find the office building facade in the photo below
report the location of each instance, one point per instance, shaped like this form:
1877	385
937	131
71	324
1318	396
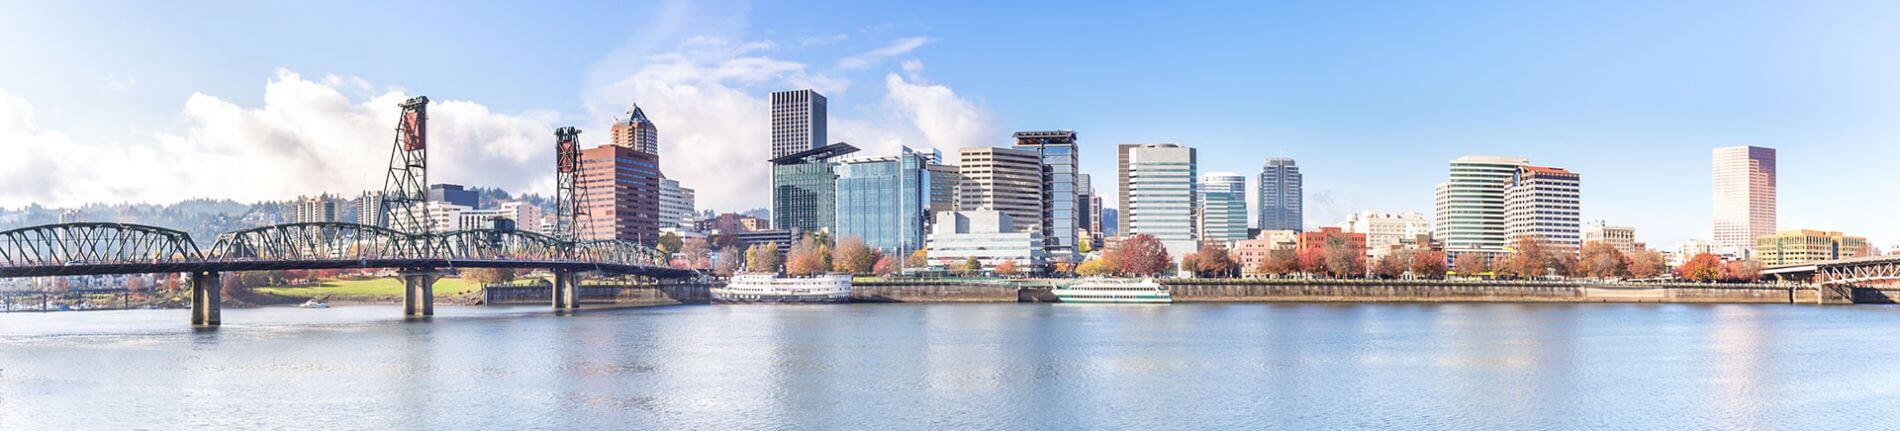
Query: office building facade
622	194
1223	207
1002	179
676	205
1061	188
1163	184
1745	206
636	131
1470	204
1386	231
1545	203
805	189
1282	195
883	200
1799	246
798	122
314	209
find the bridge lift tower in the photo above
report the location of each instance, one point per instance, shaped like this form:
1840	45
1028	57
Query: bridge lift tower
406	188
568	215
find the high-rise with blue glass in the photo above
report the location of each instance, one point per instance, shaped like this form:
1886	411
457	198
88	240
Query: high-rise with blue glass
1061	189
883	200
1281	207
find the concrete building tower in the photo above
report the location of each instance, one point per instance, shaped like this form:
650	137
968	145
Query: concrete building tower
1002	179
1544	203
1470	204
1281	203
636	132
1744	180
1163	193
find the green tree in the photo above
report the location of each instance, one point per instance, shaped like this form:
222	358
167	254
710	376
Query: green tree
971	266
762	258
669	243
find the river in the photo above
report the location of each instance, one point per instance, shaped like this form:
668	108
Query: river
961	366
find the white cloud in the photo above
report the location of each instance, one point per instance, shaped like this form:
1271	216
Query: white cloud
896	48
709	100
307	137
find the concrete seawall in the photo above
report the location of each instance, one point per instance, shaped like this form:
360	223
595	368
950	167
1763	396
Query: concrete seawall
933	292
1451	291
643	294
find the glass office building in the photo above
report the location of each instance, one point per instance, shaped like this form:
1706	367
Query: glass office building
1060	189
883	201
804	189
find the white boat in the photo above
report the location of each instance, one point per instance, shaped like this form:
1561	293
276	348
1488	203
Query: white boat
314	303
1114	291
771	288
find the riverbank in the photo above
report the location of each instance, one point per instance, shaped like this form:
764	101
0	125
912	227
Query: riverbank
1297	290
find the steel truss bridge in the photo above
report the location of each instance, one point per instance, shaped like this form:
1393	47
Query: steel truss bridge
1843	272
413	247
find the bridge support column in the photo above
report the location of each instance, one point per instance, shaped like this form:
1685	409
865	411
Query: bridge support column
418	292
207	298
567	291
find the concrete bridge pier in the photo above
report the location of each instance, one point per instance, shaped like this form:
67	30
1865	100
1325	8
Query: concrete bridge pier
418	292
567	291
207	290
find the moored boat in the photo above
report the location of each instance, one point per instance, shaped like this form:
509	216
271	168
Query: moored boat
1114	291
771	289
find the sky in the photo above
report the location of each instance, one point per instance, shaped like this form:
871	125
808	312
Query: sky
157	102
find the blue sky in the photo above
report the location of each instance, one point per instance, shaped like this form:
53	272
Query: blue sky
145	101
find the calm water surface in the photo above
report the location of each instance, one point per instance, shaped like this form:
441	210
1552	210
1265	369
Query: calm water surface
1001	366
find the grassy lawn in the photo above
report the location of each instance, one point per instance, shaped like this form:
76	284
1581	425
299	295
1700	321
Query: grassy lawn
369	287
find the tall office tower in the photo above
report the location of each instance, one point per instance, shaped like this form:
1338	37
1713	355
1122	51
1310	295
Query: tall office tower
369	208
1111	222
1744	198
1282	202
883	200
1163	192
1085	206
676	205
1060	189
623	194
804	192
798	122
636	132
1544	203
1223	207
315	209
944	183
1002	179
1470	204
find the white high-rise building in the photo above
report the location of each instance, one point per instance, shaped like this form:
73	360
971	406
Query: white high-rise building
1223	207
1002	179
315	209
1470	204
798	121
676	205
1545	203
1386	231
527	216
1163	187
1744	198
369	209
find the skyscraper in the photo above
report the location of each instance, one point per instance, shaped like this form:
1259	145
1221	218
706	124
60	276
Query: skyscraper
315	209
944	183
1163	189
1060	188
622	187
804	192
1744	197
1282	205
1544	203
883	200
1470	204
798	122
1223	207
1002	179
676	205
636	132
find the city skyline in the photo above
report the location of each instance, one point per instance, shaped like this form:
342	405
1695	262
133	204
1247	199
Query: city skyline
494	129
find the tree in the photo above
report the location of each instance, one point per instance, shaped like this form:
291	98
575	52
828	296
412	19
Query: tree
1470	264
1646	264
1528	258
971	266
1084	244
1279	262
918	259
885	266
1094	268
1215	261
1343	261
697	253
668	243
1703	267
1564	264
1602	260
1429	264
808	257
853	256
729	261
1143	254
1312	261
1742	271
762	258
1392	265
1006	268
487	276
1191	263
